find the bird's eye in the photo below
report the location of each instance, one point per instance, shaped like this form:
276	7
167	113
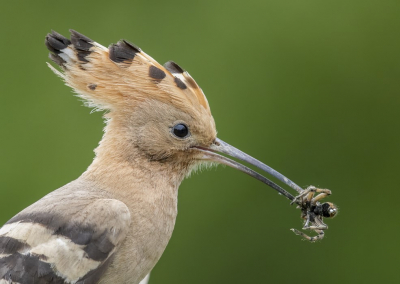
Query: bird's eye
180	130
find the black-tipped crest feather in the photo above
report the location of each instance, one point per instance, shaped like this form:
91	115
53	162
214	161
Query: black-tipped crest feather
180	84
123	51
57	59
133	46
56	42
172	67
80	41
156	73
82	45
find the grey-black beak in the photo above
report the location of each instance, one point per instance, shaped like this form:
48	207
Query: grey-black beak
220	146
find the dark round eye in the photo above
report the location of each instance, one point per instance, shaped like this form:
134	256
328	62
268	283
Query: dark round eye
180	130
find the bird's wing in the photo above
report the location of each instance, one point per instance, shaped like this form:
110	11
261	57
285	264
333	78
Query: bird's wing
75	247
145	280
119	74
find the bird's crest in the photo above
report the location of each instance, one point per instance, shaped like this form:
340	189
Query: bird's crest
118	76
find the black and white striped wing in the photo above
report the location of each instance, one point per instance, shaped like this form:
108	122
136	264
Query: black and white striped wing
77	248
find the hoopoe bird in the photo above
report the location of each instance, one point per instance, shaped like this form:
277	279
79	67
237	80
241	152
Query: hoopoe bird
112	224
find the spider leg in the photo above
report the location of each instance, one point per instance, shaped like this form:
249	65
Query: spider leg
317	224
322	194
308	191
306	224
320	235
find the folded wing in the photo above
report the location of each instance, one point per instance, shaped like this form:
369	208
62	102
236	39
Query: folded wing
41	247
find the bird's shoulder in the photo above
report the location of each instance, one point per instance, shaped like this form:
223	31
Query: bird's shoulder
69	236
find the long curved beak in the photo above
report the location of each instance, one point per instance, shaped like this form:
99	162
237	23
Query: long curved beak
219	146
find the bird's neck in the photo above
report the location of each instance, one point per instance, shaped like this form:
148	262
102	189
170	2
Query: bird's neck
148	188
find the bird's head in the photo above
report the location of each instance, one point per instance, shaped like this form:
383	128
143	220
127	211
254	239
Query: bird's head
157	112
165	133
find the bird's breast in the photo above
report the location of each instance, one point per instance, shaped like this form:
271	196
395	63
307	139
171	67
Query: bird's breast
153	218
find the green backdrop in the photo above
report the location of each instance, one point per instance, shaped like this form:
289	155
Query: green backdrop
309	87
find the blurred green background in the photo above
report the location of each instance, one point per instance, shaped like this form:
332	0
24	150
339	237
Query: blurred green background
309	87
